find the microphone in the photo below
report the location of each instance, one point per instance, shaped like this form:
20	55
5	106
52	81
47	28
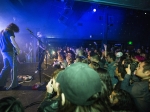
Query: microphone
29	30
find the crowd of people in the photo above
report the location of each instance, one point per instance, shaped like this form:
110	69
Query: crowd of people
87	80
92	81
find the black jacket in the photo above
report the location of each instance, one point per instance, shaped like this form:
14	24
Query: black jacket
139	91
49	104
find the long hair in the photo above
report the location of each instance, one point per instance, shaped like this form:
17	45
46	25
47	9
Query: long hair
105	77
13	27
101	103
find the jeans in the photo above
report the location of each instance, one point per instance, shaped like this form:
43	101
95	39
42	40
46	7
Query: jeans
9	67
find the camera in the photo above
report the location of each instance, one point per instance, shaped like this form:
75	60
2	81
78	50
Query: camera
127	62
132	64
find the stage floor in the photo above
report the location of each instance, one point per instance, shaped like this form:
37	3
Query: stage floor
25	94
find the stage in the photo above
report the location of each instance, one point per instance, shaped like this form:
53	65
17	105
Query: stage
25	93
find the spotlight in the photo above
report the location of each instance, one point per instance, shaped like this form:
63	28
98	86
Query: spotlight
94	10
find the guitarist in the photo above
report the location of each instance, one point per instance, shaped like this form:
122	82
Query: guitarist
9	48
41	50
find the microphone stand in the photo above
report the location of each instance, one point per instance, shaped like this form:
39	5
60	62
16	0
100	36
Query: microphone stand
38	84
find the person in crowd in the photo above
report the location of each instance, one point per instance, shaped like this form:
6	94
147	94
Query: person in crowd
118	56
119	73
69	51
52	100
60	62
138	51
102	56
71	96
80	53
136	59
82	90
11	104
70	59
9	48
111	66
94	61
139	90
104	75
121	100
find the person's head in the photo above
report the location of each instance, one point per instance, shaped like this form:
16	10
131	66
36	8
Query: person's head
144	54
61	57
82	89
120	72
79	52
13	27
95	58
94	62
143	70
10	104
69	58
68	48
79	59
52	85
119	54
111	57
121	100
139	58
138	50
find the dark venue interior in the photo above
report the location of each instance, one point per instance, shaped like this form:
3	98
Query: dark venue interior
73	23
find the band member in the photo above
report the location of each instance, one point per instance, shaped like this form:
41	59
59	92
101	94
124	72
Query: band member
9	48
41	50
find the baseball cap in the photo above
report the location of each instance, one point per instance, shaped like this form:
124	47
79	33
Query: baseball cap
79	82
119	54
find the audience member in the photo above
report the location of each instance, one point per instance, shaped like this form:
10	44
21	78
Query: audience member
82	90
121	101
10	104
111	66
139	90
105	77
52	99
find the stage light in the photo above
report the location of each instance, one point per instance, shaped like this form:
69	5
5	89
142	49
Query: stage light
90	36
94	10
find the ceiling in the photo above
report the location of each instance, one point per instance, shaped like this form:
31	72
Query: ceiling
74	18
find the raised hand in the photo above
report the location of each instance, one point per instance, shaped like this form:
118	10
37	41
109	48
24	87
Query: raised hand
128	70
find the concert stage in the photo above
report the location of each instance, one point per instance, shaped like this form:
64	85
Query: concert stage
25	93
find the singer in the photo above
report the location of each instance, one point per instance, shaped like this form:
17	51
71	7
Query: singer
8	47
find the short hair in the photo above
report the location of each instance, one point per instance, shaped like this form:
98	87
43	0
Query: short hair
112	55
146	67
13	27
10	104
